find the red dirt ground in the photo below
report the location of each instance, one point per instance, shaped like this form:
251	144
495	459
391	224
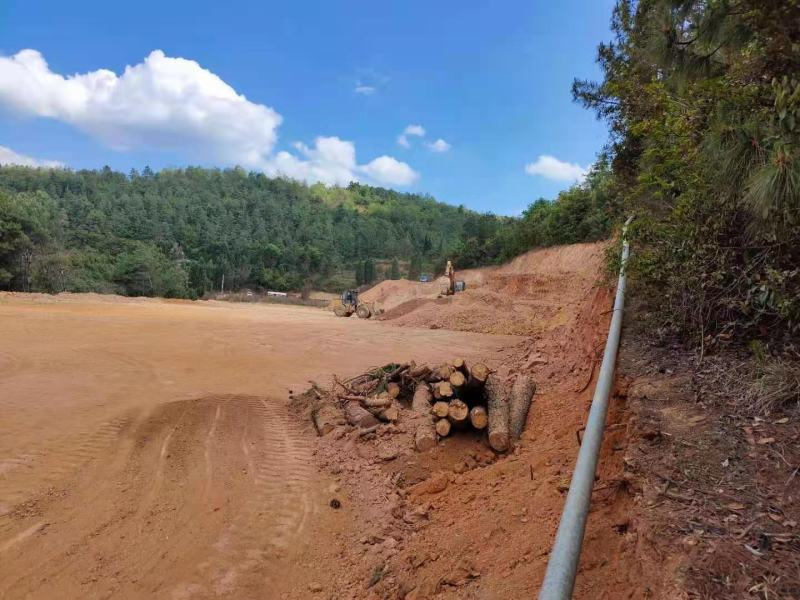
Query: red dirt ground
171	421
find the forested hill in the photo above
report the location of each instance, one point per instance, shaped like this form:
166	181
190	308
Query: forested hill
177	232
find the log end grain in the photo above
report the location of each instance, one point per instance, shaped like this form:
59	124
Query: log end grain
443	427
478	417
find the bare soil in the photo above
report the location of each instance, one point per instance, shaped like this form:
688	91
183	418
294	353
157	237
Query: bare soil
147	450
154	448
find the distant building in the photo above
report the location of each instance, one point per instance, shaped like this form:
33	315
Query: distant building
277	294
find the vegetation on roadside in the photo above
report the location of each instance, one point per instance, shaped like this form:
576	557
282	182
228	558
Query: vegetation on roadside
703	103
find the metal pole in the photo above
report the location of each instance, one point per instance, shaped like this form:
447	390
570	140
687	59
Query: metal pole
562	568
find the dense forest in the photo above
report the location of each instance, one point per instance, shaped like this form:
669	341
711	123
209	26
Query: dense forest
177	233
702	99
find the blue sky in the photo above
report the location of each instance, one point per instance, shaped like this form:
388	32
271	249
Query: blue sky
314	90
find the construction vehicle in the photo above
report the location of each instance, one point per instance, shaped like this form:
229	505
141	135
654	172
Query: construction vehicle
350	304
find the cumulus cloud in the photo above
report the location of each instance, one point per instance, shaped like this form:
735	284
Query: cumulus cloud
439	145
9	157
333	161
365	90
410	131
390	171
162	102
173	103
558	170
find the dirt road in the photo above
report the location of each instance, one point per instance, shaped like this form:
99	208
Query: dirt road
146	449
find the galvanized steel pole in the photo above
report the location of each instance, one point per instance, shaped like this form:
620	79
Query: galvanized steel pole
562	568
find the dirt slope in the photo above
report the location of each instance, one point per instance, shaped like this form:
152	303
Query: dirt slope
536	292
461	522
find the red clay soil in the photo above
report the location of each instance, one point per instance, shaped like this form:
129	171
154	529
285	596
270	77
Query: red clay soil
461	521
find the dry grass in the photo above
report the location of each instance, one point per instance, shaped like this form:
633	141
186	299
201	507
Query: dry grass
777	386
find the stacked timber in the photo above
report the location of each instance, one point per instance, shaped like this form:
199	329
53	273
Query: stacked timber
444	399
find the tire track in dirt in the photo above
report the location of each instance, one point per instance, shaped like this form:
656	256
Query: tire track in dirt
250	550
212	493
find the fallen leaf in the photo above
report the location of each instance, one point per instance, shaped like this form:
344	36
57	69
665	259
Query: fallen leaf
781	421
697	419
764	441
736	506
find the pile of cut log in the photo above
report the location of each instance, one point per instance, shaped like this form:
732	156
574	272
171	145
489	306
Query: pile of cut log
453	396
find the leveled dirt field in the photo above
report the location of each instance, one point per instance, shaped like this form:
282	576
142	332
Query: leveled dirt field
150	448
146	448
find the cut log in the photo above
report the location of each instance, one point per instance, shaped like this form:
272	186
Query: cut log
457	380
389	414
421	401
376	402
458	364
393	389
521	396
440	409
478	374
457	412
443	390
443	427
420	372
359	416
497	401
326	417
442	373
425	436
478	417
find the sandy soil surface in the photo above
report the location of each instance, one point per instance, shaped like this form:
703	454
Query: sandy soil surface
147	448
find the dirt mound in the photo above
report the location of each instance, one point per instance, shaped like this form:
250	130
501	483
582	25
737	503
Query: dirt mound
394	292
536	292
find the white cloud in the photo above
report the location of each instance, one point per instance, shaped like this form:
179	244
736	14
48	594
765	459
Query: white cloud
9	157
174	103
390	171
410	130
439	145
417	130
552	168
333	161
365	90
162	102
